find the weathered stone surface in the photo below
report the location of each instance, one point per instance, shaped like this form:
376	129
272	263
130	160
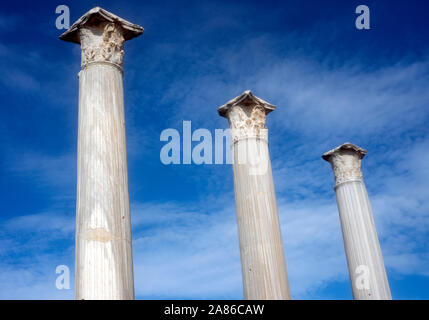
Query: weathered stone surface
345	161
104	266
365	262
261	247
99	15
101	35
246	116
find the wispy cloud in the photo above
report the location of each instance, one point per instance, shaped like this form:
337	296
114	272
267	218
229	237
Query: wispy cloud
31	247
185	251
46	170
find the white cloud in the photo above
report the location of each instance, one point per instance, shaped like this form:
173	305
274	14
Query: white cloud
31	247
185	252
34	280
47	170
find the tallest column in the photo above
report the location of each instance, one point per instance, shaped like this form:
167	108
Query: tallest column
261	248
104	266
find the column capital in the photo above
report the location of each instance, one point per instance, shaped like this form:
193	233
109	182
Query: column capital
101	35
246	115
346	162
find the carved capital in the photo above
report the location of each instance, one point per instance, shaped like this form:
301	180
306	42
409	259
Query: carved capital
346	162
103	42
247	115
101	35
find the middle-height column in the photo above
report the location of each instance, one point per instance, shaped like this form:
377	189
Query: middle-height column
261	247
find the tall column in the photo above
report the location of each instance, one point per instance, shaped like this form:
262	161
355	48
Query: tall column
261	247
104	265
366	267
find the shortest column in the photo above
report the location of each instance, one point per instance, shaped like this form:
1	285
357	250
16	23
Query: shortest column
365	261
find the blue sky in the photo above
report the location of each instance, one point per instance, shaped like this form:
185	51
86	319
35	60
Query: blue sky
331	83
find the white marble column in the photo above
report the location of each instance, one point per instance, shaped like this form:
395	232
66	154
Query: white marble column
104	265
261	247
366	267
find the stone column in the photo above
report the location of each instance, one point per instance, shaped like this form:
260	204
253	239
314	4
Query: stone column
261	247
366	267
104	265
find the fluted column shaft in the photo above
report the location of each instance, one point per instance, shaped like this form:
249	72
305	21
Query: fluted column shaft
104	267
365	262
261	247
